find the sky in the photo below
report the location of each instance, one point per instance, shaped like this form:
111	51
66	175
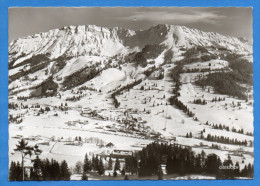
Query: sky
228	21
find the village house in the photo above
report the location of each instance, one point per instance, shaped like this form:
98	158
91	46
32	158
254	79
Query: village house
86	110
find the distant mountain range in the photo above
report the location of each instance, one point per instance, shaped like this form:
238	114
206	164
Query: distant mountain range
75	49
85	40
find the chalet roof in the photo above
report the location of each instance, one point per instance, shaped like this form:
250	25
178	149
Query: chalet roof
110	145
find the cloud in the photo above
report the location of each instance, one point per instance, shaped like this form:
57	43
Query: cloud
193	16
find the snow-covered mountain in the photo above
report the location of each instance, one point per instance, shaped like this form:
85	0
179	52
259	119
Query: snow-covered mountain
77	54
74	41
76	89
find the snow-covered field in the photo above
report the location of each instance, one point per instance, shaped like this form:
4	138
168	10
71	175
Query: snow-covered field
148	102
123	102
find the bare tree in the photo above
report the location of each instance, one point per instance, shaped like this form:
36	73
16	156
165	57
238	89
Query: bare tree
78	167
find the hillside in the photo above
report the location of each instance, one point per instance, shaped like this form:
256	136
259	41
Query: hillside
130	88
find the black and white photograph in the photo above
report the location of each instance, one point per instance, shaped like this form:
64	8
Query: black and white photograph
130	93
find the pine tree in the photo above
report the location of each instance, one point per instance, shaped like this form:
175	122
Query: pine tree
244	171
37	169
182	167
236	171
93	162
54	171
18	172
117	165
101	168
131	164
212	164
84	176
228	173
198	167
32	174
250	170
25	150
110	164
45	169
87	164
12	171
96	163
65	173
123	171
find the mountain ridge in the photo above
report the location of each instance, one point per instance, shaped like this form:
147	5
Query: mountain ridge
84	40
81	53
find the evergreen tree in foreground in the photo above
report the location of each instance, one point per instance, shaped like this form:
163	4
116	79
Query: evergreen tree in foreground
84	176
15	172
110	164
101	168
117	165
26	150
64	169
87	164
37	166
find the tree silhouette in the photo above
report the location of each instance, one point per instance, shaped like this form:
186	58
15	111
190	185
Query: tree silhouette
37	165
87	164
114	173
64	169
15	172
78	167
84	176
110	164
117	165
26	150
123	172
101	168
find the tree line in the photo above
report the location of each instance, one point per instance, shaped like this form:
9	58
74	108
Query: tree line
182	160
175	101
118	91
15	106
225	127
33	68
175	74
148	52
197	70
223	83
96	164
200	101
228	82
179	159
81	76
242	68
226	140
15	119
41	170
190	55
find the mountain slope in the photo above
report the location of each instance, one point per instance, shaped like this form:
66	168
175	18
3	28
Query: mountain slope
76	41
80	53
